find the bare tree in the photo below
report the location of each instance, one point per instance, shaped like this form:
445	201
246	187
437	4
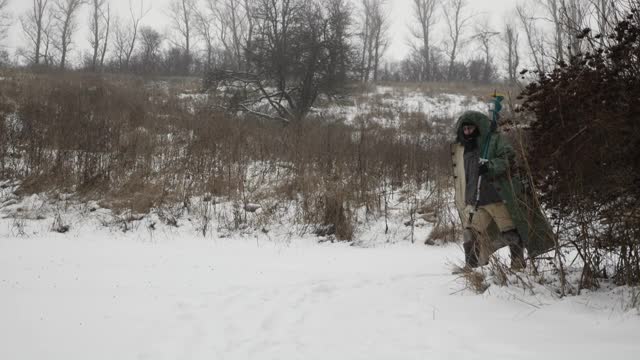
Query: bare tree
250	28
608	13
365	34
274	51
621	8
64	12
204	24
298	52
229	23
182	13
121	41
424	13
5	19
150	42
338	35
380	32
484	35
32	23
106	15
99	22
534	40
605	17
126	34
554	11
457	21
48	40
374	28
574	14
235	29
569	18
5	24
511	39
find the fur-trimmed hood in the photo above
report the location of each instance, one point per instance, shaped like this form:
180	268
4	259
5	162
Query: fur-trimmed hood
480	120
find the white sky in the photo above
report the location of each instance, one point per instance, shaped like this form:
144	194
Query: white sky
400	13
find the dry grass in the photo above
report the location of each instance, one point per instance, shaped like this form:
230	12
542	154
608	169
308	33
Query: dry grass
445	233
474	280
137	148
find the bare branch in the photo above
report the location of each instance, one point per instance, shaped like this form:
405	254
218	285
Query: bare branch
33	26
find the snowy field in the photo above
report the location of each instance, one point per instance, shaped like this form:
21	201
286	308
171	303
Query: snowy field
390	101
97	294
383	105
266	292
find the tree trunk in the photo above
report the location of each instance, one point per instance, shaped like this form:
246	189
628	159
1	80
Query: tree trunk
106	36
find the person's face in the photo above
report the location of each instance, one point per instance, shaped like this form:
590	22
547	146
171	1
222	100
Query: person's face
468	129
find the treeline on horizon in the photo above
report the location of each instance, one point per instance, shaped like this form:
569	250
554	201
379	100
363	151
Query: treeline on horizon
448	42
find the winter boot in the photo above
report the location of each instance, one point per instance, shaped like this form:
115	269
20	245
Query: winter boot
516	247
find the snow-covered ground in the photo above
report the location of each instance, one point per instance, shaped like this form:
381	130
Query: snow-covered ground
386	104
383	105
129	286
94	293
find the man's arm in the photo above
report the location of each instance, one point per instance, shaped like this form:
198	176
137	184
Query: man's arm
503	153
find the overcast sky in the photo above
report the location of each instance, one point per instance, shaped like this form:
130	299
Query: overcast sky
400	11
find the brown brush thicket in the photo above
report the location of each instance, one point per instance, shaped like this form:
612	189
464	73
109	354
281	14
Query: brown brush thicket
138	146
585	152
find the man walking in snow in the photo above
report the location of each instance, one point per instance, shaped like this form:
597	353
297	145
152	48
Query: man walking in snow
487	216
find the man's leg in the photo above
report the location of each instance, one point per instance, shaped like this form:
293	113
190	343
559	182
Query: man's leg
510	235
484	246
516	247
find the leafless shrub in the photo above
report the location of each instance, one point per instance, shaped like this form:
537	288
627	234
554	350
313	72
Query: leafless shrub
504	274
337	216
138	147
124	221
592	194
170	214
445	233
59	225
18	225
202	213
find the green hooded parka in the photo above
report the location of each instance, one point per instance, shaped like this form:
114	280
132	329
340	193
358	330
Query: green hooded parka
532	225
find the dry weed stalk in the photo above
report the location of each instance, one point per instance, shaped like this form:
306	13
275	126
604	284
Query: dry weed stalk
137	147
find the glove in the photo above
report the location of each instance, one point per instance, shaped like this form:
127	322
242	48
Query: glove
483	169
469	209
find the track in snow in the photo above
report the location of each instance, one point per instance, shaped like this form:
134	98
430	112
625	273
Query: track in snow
83	298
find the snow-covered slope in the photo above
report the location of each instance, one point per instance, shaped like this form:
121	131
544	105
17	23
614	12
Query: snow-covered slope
169	294
386	105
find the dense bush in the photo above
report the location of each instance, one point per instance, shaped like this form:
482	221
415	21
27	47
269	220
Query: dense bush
585	153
